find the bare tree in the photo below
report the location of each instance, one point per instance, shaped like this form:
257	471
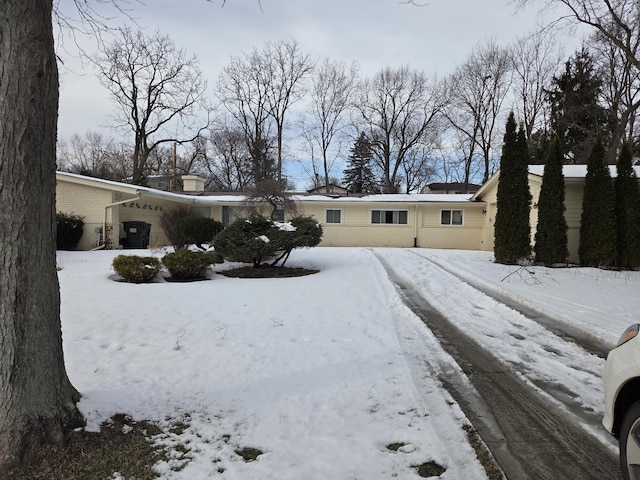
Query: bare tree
418	167
535	60
398	108
37	400
477	90
258	90
227	160
87	155
243	89
158	92
621	91
287	68
618	21
332	91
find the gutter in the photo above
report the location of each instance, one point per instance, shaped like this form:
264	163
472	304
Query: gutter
415	226
111	205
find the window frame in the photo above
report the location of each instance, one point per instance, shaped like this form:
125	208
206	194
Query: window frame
383	216
333	210
452	212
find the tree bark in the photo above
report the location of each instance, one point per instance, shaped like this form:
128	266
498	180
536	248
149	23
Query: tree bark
37	400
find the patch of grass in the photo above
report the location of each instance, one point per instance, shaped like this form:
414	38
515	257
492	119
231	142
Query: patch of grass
249	454
430	469
122	446
484	455
179	427
394	447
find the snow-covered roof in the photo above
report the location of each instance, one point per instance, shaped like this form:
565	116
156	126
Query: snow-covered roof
208	198
576	171
388	197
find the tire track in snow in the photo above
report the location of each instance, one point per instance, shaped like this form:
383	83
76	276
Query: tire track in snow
590	343
529	435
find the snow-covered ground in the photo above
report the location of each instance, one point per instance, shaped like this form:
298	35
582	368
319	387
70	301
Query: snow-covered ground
321	372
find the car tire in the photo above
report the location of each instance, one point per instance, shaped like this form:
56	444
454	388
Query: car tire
630	444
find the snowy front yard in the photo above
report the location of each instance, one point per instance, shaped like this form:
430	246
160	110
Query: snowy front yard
321	373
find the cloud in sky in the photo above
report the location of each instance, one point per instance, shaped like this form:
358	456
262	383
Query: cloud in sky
374	33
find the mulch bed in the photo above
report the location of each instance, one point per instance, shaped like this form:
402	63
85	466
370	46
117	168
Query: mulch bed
267	272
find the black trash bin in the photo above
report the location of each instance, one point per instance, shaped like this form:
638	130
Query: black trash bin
137	234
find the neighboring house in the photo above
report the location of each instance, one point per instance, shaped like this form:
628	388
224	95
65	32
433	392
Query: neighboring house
161	182
451	188
332	188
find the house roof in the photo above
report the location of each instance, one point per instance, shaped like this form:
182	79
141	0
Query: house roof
452	186
568	171
206	198
576	171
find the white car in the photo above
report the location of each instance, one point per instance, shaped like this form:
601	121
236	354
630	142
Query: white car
622	400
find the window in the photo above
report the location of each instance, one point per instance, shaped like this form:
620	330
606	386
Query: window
333	216
451	217
229	214
200	211
278	215
397	217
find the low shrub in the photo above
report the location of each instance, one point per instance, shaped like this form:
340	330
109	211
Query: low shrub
187	265
198	230
246	240
135	269
257	239
69	230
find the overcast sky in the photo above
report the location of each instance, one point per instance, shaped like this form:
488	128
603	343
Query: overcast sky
375	33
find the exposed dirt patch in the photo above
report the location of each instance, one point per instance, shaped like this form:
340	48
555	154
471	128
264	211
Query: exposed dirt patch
267	272
121	446
184	280
249	454
429	470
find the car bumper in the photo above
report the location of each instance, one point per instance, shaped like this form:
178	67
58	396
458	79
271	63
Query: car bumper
622	365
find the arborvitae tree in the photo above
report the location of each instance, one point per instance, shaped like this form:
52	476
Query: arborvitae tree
627	210
358	176
512	229
577	115
598	221
551	234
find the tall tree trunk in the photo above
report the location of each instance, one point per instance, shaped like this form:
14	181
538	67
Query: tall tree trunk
37	401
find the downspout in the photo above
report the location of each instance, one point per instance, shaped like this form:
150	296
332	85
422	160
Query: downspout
415	227
111	205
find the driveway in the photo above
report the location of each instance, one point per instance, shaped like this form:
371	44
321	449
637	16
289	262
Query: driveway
535	430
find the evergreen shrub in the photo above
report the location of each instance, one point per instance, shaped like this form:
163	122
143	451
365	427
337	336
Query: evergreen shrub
512	243
257	239
198	230
246	240
185	264
598	230
136	269
69	230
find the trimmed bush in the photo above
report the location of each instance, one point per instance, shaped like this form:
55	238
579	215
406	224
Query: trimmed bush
135	269
246	240
187	265
69	230
198	230
258	239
